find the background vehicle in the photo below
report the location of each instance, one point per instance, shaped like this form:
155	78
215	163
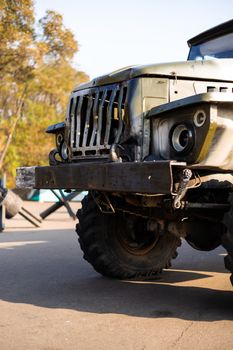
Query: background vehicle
153	145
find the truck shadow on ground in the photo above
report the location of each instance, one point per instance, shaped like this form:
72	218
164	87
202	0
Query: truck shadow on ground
43	274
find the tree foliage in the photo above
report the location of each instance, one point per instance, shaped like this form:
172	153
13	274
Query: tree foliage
36	77
16	39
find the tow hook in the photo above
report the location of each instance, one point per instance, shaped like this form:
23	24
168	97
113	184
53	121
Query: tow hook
182	189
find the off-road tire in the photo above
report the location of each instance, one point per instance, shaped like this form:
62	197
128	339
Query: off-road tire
227	238
99	240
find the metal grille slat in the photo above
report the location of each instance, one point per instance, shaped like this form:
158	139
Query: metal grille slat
120	127
78	120
95	119
87	122
101	106
109	116
72	121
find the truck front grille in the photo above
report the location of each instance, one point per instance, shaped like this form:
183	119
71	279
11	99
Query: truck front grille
96	120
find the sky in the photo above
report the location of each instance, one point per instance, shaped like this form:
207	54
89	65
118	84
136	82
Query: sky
118	33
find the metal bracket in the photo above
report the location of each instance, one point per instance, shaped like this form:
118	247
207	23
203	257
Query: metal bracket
182	189
103	203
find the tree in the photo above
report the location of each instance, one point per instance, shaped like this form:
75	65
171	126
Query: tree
16	39
36	78
59	42
16	63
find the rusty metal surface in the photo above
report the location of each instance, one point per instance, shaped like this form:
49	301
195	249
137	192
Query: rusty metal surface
25	177
147	177
104	175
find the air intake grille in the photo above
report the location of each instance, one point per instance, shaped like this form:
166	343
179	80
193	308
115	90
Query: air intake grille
96	121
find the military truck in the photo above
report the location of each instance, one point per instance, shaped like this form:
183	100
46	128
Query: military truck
153	146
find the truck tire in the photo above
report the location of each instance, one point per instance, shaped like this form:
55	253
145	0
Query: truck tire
105	242
227	238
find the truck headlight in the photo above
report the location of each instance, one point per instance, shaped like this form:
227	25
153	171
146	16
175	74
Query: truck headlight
182	138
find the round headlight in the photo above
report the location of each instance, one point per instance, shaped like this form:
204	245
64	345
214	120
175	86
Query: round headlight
199	118
182	138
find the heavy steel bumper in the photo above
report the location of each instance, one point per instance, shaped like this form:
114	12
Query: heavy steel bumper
144	177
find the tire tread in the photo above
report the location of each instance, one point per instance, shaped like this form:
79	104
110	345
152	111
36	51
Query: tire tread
89	233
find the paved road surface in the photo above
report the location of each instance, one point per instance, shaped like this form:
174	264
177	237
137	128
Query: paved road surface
51	299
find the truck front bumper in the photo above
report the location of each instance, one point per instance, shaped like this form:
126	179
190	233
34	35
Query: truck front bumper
144	177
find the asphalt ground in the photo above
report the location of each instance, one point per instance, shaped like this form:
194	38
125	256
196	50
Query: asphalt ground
51	299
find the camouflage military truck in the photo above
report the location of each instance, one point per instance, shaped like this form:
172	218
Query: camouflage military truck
153	145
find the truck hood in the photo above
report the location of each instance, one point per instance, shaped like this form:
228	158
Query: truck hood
212	70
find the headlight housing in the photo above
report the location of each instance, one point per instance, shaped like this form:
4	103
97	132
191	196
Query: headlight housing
179	134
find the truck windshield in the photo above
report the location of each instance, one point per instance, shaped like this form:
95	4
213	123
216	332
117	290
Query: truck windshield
221	47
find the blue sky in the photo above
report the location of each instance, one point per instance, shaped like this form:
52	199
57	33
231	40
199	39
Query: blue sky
114	34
